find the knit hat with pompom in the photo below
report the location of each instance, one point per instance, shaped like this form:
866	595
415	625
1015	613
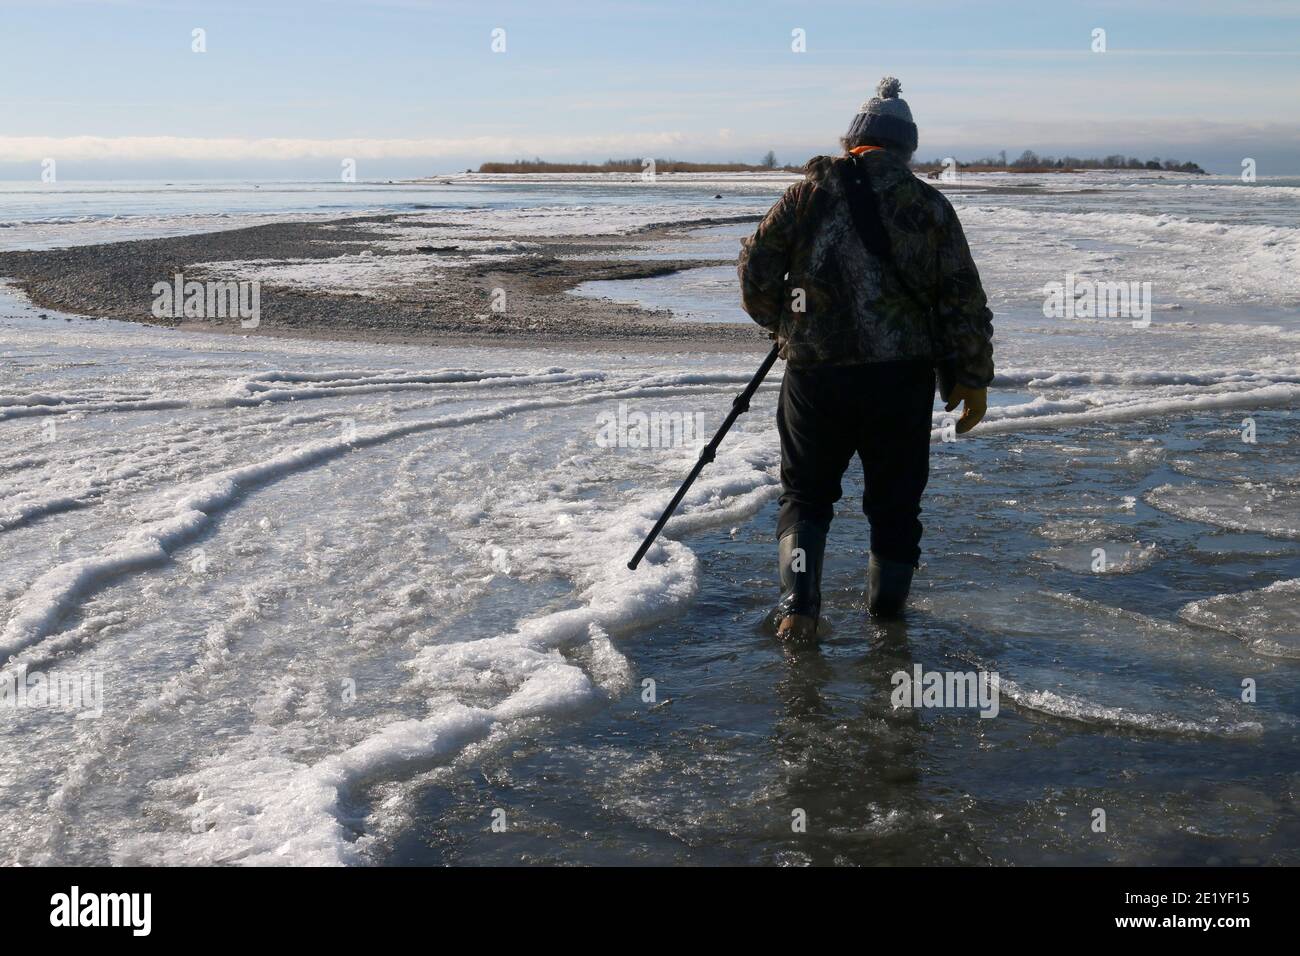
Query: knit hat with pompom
884	118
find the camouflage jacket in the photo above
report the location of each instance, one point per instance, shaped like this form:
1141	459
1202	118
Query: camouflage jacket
806	275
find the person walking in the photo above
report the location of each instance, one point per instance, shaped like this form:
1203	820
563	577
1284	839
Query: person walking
862	273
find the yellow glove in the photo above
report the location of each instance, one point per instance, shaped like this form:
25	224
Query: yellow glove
977	403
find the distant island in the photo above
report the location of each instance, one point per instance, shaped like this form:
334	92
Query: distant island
1029	162
637	165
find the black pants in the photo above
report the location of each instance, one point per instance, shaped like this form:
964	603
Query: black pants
881	412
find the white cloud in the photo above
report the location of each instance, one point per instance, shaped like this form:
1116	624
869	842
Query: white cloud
230	149
944	136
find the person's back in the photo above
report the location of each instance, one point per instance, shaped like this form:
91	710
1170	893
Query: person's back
863	274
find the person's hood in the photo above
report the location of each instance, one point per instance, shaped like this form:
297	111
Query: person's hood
823	170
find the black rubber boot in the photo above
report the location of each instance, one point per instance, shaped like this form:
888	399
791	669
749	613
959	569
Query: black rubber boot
801	551
887	585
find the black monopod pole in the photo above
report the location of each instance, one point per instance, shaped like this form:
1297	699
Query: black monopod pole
739	406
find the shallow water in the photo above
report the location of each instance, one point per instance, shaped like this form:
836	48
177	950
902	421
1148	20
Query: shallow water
1118	704
356	604
49	215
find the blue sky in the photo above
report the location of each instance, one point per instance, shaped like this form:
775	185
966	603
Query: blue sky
290	88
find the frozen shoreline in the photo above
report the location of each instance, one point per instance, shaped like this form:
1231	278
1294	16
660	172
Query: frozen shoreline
468	575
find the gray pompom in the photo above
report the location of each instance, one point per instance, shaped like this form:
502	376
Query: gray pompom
889	88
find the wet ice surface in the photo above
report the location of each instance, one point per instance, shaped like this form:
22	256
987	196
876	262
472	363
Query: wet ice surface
453	542
349	601
1110	700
